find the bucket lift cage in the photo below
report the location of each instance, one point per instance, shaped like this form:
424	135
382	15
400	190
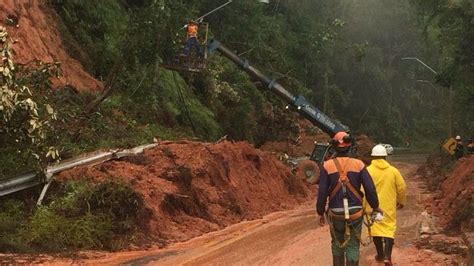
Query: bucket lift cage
192	62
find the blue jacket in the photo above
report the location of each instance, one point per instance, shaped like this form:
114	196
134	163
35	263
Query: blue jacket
358	176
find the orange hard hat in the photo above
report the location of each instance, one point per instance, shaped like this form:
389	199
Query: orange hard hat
342	139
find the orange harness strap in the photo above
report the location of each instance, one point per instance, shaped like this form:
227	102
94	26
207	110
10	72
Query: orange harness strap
341	217
343	180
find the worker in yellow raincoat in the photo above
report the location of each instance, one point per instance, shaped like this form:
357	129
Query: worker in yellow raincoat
391	191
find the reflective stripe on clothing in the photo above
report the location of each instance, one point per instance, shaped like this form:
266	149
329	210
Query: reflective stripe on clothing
358	177
342	209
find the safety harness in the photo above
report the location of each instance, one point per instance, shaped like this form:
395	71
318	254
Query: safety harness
344	184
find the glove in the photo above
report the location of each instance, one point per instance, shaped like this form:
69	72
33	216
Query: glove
377	215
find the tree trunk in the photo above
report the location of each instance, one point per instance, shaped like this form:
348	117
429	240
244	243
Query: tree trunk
108	88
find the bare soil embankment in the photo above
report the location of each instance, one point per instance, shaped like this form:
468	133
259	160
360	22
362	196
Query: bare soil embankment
302	143
36	37
453	202
193	188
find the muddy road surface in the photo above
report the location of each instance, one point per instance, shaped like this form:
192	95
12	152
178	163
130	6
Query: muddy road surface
286	238
282	238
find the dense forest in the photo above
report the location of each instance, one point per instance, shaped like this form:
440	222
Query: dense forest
351	59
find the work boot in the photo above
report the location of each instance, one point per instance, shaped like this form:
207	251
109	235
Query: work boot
388	251
337	260
379	247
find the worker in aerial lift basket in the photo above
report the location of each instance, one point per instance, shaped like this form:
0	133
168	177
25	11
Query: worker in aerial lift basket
192	39
341	180
391	191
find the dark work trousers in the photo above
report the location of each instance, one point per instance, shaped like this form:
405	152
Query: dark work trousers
193	41
352	249
384	246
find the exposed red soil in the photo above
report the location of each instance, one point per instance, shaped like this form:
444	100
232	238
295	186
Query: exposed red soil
457	191
454	199
301	144
37	38
193	188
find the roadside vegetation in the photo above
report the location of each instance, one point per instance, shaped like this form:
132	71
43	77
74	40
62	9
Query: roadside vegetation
26	116
79	216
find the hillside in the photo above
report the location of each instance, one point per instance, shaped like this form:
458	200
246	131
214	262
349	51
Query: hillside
36	37
395	72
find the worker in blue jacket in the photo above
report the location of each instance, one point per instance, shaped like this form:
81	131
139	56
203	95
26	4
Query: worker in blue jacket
340	183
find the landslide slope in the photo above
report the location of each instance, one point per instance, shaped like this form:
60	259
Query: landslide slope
37	38
453	183
193	188
457	189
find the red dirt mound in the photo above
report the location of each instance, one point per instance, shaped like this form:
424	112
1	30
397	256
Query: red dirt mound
457	192
36	38
301	144
194	188
454	203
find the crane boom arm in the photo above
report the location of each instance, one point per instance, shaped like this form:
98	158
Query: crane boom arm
310	112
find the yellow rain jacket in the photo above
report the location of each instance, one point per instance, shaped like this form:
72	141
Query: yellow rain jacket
391	189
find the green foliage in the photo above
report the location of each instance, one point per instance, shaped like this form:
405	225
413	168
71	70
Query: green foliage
464	108
98	29
345	57
81	216
183	106
118	123
49	231
449	26
26	114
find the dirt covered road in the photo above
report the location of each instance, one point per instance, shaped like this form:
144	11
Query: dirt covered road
287	238
282	238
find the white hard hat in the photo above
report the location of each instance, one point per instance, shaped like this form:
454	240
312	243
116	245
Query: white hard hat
458	137
379	150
